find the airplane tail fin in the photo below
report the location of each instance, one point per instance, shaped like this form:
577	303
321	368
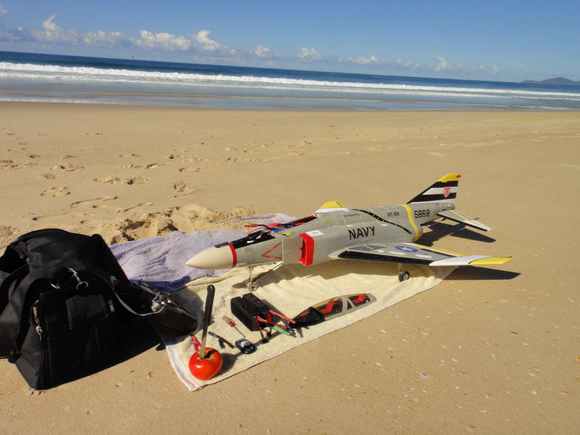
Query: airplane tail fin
444	189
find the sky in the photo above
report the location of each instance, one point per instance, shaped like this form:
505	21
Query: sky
486	40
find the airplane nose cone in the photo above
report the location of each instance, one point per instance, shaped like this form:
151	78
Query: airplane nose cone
213	258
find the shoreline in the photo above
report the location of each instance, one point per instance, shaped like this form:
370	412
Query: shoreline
125	106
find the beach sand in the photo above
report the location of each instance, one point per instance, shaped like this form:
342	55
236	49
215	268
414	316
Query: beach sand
481	353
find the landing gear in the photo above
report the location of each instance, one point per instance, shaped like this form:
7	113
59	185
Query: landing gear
404	276
251	286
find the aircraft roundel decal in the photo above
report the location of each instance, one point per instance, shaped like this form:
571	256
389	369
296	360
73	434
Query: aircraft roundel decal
405	248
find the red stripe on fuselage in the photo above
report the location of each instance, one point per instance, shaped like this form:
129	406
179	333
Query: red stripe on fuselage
307	254
234	255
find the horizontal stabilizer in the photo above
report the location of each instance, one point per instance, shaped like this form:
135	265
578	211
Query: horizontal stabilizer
456	217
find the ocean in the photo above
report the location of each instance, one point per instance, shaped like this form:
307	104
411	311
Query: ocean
73	79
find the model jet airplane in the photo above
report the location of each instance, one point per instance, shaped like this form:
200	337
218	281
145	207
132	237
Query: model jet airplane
334	232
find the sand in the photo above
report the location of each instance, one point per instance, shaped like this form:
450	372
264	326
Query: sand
480	353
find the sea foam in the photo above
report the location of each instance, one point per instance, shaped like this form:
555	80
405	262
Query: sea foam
29	71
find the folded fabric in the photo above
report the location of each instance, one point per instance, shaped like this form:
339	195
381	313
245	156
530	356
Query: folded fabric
160	261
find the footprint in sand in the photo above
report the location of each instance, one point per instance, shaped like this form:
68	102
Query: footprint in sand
116	180
10	164
189	169
93	202
182	189
107	180
136	180
68	167
56	192
7	164
134	207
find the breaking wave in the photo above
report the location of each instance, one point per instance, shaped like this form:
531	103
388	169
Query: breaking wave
48	72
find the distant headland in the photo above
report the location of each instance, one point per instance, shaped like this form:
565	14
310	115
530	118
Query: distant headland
561	81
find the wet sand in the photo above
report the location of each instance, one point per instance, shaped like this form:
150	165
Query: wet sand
484	352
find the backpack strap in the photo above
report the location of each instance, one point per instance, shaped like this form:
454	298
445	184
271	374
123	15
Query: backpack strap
13	322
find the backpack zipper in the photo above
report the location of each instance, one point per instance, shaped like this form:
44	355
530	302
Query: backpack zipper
36	319
45	371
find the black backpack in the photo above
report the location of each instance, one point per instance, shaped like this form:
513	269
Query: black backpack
67	309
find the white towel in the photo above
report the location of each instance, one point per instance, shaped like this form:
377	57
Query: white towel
291	289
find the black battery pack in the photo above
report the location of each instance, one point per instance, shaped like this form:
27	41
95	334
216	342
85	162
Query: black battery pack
247	307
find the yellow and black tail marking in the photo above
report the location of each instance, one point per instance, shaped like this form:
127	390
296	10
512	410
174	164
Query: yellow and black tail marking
444	189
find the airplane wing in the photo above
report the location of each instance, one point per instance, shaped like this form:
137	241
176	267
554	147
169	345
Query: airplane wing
415	254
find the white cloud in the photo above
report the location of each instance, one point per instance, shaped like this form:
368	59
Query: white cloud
163	40
16	35
101	37
441	64
3	10
491	69
49	25
405	64
309	54
52	32
263	52
362	60
397	64
203	39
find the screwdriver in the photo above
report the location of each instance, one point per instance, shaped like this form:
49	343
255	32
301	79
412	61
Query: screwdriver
231	322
